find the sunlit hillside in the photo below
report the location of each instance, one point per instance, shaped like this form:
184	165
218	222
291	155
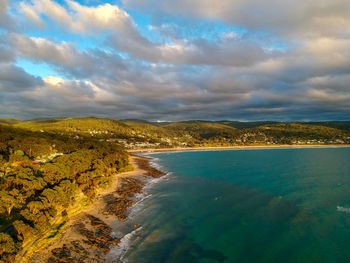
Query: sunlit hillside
142	134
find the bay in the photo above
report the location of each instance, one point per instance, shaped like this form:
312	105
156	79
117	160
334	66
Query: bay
265	205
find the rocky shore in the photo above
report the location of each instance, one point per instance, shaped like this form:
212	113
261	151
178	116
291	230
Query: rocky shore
87	237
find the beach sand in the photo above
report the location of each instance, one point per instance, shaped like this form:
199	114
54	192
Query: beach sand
236	147
86	235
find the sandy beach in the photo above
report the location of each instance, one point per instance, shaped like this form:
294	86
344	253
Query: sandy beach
281	146
86	236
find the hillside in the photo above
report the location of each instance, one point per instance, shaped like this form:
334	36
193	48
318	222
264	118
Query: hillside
135	134
340	125
42	175
9	121
201	130
88	126
148	129
244	125
301	133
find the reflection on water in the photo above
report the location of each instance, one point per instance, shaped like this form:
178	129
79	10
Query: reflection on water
246	206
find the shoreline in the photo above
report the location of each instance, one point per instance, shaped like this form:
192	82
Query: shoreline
87	235
247	147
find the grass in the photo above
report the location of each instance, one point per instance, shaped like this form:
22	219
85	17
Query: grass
127	168
56	229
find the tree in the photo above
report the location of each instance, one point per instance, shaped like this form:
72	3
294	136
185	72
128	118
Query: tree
7	245
23	230
7	202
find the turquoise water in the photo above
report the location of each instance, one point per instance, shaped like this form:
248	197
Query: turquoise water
273	205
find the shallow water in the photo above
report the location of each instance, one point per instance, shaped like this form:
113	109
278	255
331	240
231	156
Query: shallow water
272	205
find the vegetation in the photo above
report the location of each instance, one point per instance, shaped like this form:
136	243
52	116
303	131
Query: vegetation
42	175
47	166
340	125
135	134
9	121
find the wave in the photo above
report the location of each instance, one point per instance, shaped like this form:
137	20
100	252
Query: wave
135	209
118	252
138	206
343	209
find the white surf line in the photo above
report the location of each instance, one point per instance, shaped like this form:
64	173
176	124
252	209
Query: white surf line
125	242
343	209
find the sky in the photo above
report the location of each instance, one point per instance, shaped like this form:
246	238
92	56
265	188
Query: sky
174	60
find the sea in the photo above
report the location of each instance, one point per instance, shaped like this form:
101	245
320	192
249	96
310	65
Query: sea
256	205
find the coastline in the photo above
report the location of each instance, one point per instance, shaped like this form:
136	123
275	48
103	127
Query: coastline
247	147
87	235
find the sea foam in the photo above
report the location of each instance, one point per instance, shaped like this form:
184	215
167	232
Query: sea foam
343	209
120	250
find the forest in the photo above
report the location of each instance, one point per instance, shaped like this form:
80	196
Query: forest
42	175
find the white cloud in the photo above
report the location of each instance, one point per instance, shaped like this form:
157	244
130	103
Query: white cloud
125	37
31	14
79	18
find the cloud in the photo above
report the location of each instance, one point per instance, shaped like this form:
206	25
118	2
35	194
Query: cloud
31	14
79	18
224	52
6	20
3	7
124	36
14	79
287	18
327	96
124	72
65	57
6	53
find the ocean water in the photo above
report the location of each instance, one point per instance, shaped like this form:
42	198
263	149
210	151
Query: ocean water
266	205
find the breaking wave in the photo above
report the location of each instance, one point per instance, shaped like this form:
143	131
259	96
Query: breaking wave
120	250
343	209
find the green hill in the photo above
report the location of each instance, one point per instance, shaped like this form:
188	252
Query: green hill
244	125
9	121
306	129
89	126
201	129
143	134
340	125
292	133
